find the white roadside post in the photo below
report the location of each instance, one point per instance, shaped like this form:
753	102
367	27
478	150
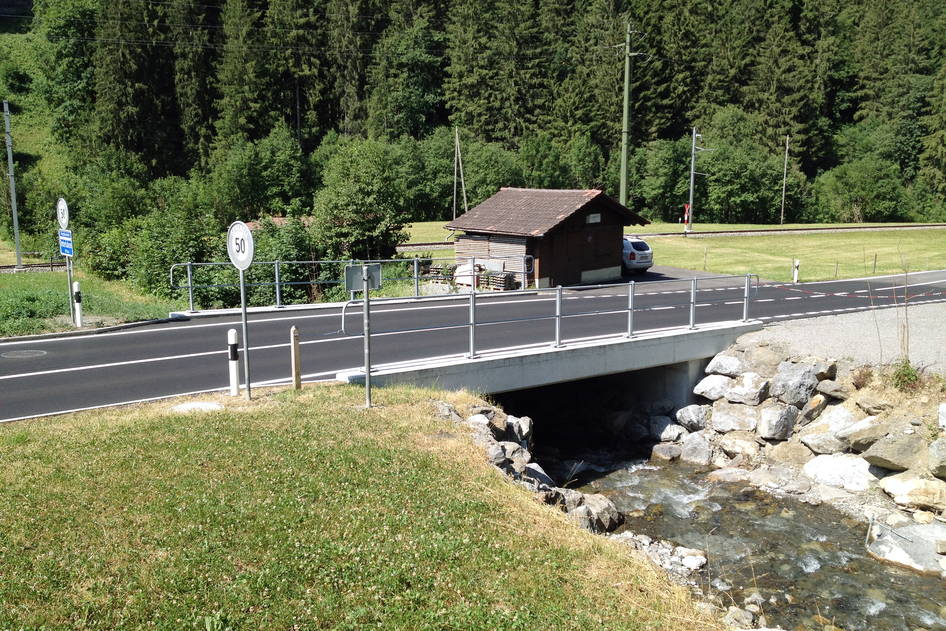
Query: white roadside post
240	249
77	298
795	264
233	362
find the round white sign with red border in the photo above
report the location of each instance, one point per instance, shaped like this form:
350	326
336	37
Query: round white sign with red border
240	245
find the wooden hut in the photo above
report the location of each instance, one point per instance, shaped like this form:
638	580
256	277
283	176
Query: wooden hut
572	236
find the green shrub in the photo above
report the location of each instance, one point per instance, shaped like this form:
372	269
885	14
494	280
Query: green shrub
905	376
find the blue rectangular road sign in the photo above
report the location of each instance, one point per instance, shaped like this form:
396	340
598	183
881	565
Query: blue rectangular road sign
65	242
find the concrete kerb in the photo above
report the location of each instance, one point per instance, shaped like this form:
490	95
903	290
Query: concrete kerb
83	332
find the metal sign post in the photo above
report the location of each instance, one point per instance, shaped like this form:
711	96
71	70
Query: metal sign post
16	221
364	277
66	250
366	327
240	248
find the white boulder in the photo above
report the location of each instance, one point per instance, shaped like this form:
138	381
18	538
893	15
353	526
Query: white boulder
749	388
916	491
713	387
724	364
730	417
821	436
777	420
697	449
843	471
694	417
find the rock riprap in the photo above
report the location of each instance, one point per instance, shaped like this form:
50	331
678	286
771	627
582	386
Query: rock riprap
507	439
802	426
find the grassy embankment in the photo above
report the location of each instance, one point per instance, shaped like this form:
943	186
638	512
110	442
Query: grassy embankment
297	512
823	256
38	302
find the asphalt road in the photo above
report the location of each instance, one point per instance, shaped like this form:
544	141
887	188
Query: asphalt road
54	375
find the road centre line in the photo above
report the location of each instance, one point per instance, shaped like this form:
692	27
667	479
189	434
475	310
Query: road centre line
460	304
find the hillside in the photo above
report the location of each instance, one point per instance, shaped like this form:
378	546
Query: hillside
147	115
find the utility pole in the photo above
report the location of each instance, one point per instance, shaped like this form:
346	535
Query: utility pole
625	129
16	222
626	124
689	225
693	173
458	165
784	178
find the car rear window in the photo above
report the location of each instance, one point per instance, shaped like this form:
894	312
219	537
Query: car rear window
640	246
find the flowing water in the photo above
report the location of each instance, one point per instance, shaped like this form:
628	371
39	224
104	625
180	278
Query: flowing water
807	562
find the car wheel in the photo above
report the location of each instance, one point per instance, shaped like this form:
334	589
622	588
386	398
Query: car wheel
642	270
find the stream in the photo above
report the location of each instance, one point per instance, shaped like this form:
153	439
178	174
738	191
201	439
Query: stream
807	562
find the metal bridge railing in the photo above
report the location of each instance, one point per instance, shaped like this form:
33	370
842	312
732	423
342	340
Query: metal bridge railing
748	285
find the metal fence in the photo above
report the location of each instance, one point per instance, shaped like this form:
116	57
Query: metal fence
450	275
748	285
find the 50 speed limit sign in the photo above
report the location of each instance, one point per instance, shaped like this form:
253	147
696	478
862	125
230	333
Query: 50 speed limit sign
240	245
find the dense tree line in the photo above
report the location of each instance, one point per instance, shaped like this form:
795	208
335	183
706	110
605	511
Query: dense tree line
343	110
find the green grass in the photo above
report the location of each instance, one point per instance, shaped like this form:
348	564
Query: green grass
37	302
427	232
823	256
297	512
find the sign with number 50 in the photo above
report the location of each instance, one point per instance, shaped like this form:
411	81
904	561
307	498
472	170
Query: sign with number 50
240	245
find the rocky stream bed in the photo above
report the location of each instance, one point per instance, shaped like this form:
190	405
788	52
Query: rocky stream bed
796	493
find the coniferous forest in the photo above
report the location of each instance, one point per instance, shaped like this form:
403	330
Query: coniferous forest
181	116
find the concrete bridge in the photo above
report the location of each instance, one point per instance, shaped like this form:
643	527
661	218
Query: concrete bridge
679	353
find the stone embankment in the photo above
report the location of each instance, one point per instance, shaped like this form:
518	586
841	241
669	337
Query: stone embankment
801	426
507	441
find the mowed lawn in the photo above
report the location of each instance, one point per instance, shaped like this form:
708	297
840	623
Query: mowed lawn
823	256
298	511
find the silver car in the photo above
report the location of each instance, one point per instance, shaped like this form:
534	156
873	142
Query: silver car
637	255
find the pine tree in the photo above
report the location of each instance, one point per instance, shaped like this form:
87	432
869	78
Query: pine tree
405	79
69	28
296	62
135	106
195	32
777	91
243	111
351	25
933	159
590	100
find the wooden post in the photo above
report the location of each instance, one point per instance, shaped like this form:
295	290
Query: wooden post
295	359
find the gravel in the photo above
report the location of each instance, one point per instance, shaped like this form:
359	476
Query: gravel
866	337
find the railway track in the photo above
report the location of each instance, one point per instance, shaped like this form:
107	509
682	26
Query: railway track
728	233
32	267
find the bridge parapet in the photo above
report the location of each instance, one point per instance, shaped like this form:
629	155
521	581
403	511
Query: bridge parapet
505	370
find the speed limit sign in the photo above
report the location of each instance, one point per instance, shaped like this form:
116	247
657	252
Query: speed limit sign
240	245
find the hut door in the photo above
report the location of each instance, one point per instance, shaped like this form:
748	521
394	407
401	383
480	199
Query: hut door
576	257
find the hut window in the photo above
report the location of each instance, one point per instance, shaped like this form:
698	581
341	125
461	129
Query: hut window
593	218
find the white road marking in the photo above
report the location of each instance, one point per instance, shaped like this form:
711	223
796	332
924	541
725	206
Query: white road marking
308	378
